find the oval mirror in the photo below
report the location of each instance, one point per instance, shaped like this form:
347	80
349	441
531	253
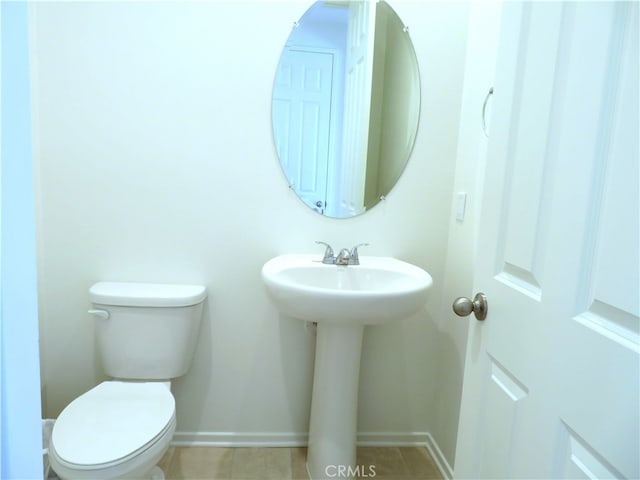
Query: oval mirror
345	106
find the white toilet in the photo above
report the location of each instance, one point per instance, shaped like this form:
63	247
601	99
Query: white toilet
146	335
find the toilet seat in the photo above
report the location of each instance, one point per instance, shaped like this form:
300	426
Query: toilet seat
111	424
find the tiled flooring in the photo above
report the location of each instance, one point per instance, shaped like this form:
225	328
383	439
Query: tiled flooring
380	463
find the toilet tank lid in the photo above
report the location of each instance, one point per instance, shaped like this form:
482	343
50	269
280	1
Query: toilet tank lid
129	294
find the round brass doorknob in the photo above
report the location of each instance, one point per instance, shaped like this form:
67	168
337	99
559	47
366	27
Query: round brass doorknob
463	306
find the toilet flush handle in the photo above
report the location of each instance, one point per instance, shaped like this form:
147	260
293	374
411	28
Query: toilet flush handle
103	314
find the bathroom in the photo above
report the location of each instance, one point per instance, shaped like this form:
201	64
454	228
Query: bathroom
154	161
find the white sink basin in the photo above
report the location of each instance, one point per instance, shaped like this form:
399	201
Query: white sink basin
378	290
343	300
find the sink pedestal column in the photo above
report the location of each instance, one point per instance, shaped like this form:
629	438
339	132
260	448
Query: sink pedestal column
334	403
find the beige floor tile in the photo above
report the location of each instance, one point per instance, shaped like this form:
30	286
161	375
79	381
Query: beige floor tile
379	463
420	463
248	463
278	464
387	463
299	463
165	461
261	463
193	463
366	459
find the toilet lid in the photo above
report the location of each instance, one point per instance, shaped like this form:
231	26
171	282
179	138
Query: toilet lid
111	421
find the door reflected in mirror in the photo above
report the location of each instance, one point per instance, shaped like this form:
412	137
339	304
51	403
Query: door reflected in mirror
345	106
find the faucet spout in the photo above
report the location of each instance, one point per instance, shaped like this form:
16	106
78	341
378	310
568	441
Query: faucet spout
344	257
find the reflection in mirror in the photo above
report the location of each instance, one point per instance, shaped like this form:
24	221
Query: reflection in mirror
346	102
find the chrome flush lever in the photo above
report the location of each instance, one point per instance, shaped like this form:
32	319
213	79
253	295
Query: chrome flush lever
103	314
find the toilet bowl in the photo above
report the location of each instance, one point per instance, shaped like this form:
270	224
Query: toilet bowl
146	335
115	430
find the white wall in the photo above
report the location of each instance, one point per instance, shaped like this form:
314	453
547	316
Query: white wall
154	162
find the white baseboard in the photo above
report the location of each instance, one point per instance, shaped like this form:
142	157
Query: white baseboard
439	458
300	439
391	439
238	439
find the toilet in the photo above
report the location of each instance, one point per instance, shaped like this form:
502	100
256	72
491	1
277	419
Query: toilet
146	335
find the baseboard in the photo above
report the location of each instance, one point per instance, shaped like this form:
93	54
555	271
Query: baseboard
240	439
439	458
300	439
292	439
391	439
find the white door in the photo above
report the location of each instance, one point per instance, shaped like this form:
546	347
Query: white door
552	375
302	120
357	106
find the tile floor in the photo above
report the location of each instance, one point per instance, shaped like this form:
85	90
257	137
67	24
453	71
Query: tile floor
388	463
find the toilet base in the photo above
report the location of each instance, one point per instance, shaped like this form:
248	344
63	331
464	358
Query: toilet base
157	474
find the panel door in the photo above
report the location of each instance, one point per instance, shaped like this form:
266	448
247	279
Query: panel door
302	119
357	106
552	374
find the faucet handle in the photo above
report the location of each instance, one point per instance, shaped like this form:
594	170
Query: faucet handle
328	252
354	259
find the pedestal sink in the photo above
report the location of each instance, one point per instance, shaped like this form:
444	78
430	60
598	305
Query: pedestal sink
342	300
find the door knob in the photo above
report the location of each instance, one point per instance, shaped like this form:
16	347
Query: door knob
462	306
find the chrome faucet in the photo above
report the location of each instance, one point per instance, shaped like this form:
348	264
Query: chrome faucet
328	257
354	259
345	256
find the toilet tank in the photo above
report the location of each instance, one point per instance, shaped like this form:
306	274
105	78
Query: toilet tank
146	331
